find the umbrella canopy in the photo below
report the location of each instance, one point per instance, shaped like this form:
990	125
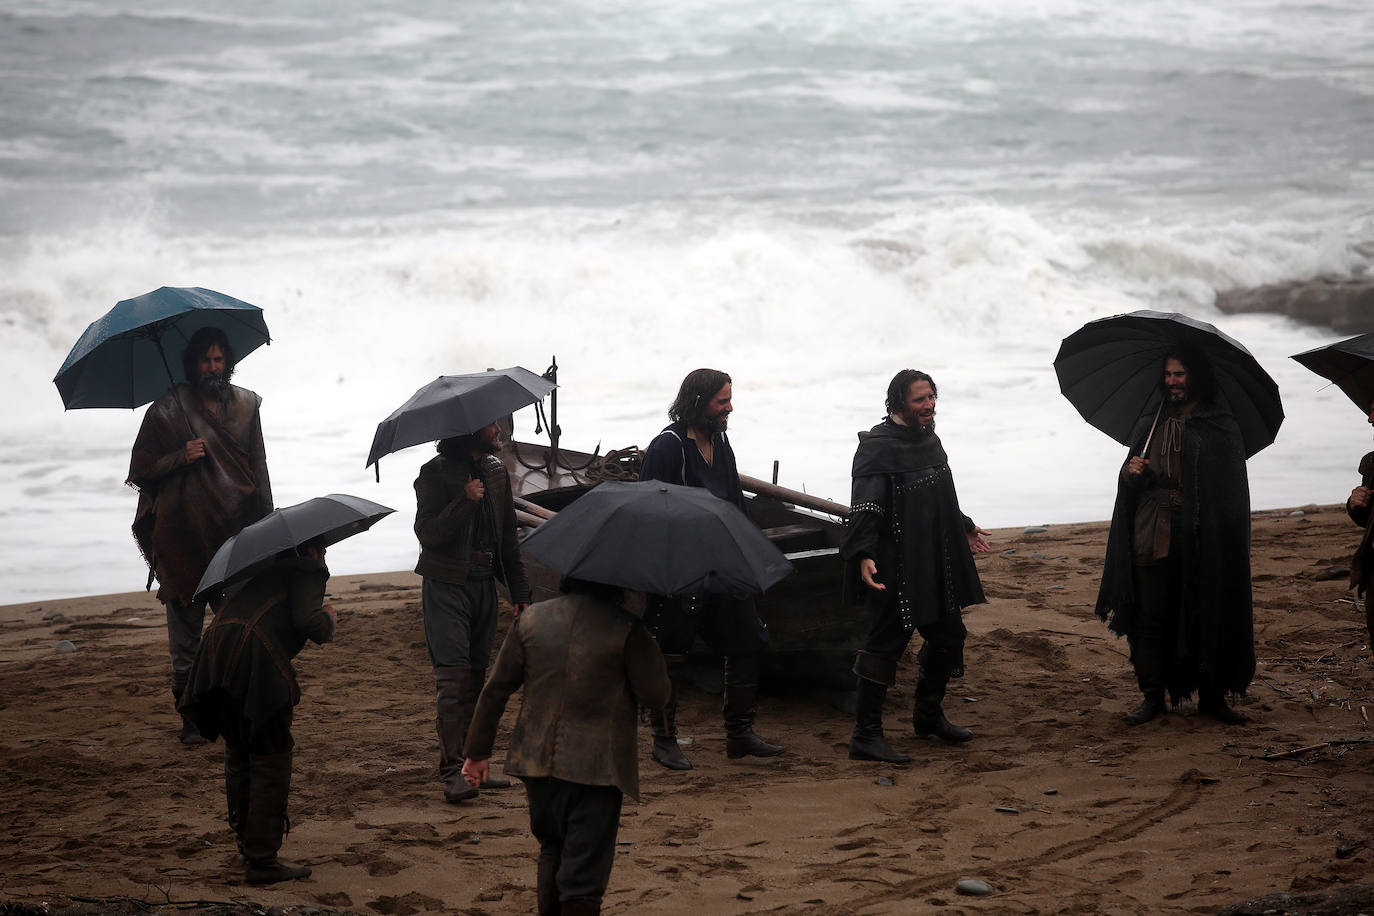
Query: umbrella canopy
333	518
1110	370
121	359
658	537
455	405
1349	363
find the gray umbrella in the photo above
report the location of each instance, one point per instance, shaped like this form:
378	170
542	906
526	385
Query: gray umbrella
332	518
658	537
455	405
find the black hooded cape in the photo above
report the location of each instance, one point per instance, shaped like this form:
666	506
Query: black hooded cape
905	515
1216	636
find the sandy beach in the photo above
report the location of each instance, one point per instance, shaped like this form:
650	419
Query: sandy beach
1057	805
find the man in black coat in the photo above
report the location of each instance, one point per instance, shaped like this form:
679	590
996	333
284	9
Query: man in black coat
1358	507
694	451
1176	578
242	686
908	551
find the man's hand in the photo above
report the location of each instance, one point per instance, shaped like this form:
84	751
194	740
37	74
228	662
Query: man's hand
1360	497
475	489
475	771
195	450
978	540
867	570
1137	466
520	609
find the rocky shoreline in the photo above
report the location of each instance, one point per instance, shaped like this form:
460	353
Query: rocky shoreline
1345	304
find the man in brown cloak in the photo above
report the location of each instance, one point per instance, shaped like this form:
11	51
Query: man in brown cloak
201	471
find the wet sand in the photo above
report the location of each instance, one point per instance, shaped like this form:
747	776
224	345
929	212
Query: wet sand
1057	804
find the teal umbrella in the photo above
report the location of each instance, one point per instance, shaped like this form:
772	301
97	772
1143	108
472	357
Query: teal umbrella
121	359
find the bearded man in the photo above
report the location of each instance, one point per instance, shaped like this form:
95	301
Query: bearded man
908	550
200	469
1176	578
465	522
1358	508
694	451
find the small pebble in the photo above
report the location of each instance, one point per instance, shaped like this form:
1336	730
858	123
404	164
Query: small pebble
1296	513
622	842
54	616
1009	551
1051	791
1037	556
622	852
970	699
66	645
475	840
1056	588
973	887
883	781
1035	529
1006	809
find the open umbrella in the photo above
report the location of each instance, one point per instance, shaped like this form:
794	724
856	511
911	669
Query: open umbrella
1348	363
455	405
1110	370
333	518
121	359
658	537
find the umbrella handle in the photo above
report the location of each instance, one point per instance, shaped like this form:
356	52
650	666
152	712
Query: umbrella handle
157	341
1153	426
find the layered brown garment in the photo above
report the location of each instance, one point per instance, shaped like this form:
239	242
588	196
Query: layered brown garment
186	511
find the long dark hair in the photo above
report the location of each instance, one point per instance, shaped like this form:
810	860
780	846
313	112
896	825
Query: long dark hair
901	383
695	393
199	344
1202	381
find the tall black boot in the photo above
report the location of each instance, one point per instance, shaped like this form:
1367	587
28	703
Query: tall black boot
546	874
237	786
663	723
868	742
452	715
1212	702
1151	704
266	824
928	715
190	732
741	706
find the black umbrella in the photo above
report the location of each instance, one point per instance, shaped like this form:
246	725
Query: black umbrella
658	537
333	518
121	359
1349	363
1110	370
455	405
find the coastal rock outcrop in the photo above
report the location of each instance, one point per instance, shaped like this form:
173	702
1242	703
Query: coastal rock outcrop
1343	303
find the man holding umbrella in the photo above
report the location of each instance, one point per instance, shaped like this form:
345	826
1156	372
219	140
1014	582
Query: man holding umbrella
694	451
200	467
1176	579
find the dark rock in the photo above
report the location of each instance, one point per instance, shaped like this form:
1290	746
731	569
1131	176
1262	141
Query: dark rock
1343	900
1343	303
1006	809
1332	573
883	781
66	645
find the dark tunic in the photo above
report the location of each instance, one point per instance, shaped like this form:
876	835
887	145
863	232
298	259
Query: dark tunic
904	515
1210	534
246	653
186	511
729	623
1362	563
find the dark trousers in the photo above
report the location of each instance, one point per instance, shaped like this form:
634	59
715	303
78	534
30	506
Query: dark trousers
460	621
184	625
729	625
942	641
1154	640
576	826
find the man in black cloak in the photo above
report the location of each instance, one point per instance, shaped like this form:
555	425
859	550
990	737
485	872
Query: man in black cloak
1176	579
694	451
908	550
1358	507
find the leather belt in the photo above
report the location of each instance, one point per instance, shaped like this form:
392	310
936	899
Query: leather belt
481	558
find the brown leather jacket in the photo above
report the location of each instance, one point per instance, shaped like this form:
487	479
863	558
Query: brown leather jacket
585	665
445	522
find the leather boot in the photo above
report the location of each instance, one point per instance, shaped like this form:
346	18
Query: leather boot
547	888
1212	703
269	784
190	732
236	791
477	679
580	908
452	716
928	716
663	723
1150	706
740	708
868	742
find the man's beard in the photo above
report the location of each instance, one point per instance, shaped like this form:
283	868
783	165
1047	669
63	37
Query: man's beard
714	426
215	385
493	447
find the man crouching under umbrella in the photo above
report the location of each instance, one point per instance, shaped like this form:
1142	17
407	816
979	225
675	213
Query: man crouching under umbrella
585	665
242	686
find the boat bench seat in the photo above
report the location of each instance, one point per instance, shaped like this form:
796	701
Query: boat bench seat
790	538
